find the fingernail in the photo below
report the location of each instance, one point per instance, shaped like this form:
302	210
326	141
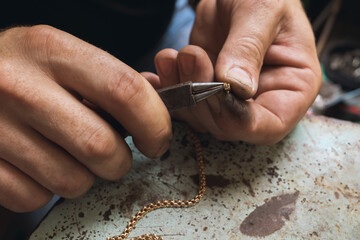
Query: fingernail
242	77
187	63
166	66
162	150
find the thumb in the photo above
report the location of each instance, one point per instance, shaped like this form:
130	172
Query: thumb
241	57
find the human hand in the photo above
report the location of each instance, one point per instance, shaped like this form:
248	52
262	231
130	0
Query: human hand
50	140
265	50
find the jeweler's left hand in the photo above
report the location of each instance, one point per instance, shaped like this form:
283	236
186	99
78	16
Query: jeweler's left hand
265	50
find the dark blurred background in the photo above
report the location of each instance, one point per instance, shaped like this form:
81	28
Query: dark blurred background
336	25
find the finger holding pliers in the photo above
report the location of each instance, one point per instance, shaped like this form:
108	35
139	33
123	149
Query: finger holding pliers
185	95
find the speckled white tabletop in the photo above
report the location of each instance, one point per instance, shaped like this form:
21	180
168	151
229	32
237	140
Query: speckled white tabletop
305	187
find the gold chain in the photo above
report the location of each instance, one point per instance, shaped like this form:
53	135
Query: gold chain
171	203
168	203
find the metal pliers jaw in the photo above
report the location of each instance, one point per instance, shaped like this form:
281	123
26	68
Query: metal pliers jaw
188	94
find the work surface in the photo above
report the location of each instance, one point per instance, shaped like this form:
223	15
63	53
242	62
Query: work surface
305	187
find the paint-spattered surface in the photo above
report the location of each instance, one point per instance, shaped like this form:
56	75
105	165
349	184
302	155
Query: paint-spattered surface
305	187
269	217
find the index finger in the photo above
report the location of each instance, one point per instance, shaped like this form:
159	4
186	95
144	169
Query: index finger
110	84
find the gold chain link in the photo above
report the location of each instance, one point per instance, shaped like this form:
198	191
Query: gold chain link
171	203
168	203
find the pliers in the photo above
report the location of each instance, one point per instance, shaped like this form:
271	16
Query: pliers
184	95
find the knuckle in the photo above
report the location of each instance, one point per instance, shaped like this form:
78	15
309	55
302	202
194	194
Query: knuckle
38	33
99	143
311	81
269	4
7	83
43	44
29	44
13	88
125	87
39	37
251	50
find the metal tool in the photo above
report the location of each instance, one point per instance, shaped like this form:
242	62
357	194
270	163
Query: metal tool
188	94
321	105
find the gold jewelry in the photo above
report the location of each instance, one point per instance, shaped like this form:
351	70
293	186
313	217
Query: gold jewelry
227	87
168	203
171	203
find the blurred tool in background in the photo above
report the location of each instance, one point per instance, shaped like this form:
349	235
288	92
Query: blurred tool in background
336	26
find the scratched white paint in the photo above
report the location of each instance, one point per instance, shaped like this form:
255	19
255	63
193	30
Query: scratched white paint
320	159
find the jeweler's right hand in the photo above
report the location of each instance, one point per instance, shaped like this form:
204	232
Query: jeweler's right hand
50	141
265	50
